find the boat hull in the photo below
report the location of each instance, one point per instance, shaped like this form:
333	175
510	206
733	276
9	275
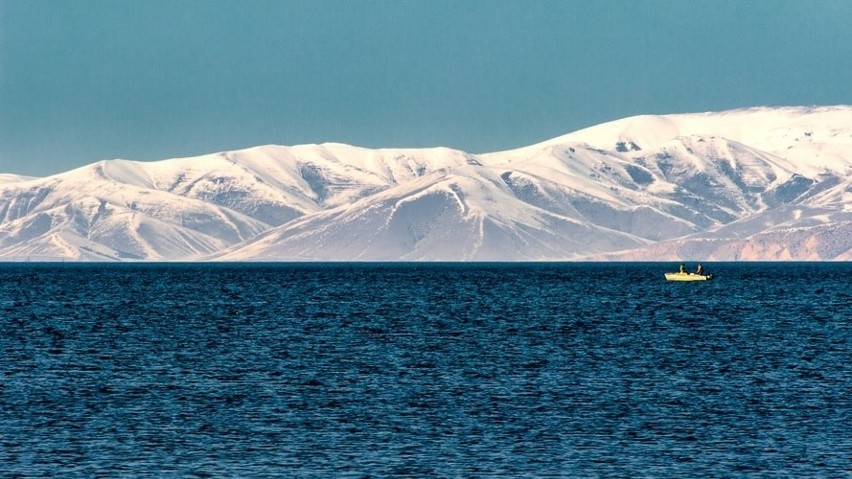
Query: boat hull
688	277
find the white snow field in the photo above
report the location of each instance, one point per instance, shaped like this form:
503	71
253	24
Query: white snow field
751	184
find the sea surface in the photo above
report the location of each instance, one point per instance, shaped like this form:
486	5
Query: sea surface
425	370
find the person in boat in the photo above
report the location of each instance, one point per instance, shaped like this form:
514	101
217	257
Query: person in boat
682	268
700	270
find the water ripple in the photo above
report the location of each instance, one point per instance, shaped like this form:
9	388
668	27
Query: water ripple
560	370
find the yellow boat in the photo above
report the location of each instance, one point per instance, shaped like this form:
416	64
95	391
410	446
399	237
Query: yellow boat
688	277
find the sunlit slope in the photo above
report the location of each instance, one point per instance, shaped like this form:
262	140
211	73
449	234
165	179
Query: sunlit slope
761	183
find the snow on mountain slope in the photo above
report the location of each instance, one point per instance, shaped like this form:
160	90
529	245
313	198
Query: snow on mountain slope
181	209
687	184
753	183
69	216
7	178
297	180
819	227
812	138
465	213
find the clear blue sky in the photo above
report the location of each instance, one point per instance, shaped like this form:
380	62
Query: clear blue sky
86	80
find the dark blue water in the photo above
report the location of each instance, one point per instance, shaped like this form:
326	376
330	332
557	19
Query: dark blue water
564	370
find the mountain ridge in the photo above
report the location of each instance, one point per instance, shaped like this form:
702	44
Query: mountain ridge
769	183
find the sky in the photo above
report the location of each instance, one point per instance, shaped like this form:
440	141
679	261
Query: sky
87	80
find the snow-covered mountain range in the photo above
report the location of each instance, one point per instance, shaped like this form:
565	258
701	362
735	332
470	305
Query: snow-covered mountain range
751	184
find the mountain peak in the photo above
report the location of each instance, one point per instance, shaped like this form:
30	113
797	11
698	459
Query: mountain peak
752	183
